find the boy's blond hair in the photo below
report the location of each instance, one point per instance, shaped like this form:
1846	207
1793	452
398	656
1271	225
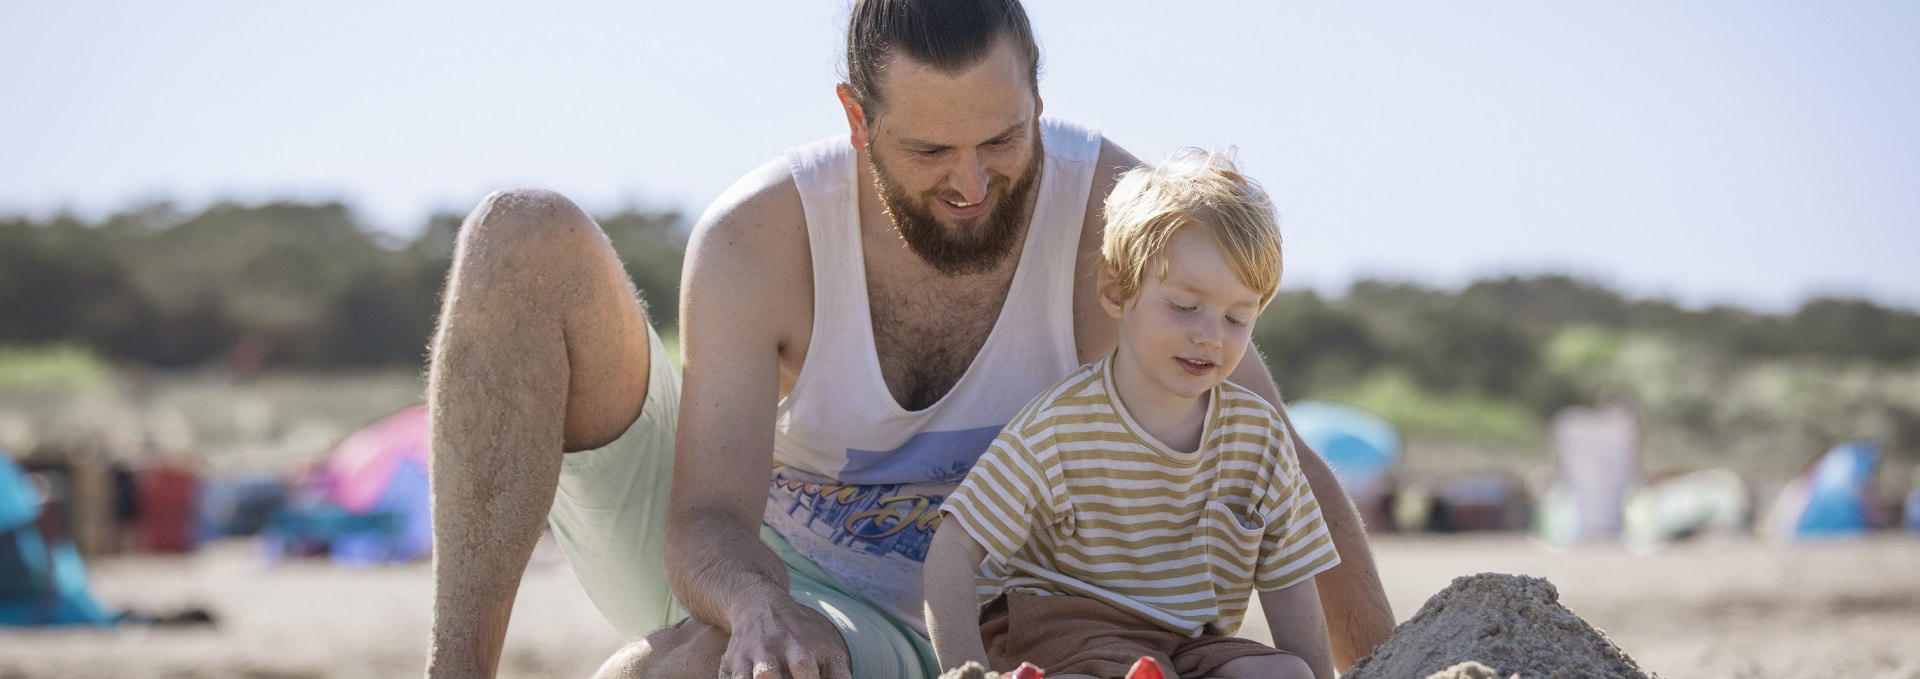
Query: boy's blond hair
1193	187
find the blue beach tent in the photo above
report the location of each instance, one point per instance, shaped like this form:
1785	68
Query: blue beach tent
1830	498
1359	445
42	582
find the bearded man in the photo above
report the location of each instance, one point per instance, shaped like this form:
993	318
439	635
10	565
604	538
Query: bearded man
860	316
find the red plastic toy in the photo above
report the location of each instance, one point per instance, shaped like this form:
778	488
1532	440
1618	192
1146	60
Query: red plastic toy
1145	668
1027	671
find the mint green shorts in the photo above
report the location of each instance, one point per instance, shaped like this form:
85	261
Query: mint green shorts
610	514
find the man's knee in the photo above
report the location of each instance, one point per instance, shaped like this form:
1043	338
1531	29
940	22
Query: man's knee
692	649
516	227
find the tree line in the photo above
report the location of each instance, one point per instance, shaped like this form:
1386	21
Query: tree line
308	286
305	285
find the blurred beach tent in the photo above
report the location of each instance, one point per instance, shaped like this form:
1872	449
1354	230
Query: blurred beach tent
239	506
1830	498
1359	445
42	579
1682	505
368	501
1596	460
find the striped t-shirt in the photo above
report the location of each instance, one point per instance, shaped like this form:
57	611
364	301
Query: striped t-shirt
1075	498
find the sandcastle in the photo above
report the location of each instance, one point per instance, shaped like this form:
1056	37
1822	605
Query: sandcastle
1493	625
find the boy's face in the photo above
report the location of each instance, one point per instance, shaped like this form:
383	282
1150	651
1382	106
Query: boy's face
1184	333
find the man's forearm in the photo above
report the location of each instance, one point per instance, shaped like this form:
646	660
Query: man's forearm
718	567
1358	615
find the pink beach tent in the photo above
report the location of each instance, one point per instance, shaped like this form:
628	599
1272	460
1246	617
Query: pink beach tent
382	468
365	462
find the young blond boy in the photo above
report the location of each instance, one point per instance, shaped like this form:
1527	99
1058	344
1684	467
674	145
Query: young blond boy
1131	509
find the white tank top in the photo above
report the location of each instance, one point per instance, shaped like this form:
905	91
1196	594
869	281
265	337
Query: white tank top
858	480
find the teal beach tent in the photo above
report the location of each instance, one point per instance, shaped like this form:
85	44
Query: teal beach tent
42	580
1359	445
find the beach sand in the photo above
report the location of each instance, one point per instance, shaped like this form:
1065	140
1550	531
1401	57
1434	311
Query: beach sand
1720	608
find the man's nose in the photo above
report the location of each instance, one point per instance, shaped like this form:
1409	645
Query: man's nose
969	178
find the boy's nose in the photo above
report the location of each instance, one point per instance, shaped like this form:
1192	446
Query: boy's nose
1207	334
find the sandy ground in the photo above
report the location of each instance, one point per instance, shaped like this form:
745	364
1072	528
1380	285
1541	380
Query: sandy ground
1725	608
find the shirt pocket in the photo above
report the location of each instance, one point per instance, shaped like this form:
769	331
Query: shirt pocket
1233	531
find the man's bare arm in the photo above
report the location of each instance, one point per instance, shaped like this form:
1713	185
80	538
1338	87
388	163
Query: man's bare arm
1095	332
747	275
1358	615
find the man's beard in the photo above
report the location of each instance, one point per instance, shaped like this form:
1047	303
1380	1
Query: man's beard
977	244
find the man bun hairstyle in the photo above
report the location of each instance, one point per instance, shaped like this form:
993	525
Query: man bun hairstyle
949	35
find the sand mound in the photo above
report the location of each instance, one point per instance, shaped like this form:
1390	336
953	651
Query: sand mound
1493	625
971	670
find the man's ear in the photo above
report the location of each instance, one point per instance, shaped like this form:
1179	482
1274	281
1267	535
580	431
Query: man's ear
856	116
1109	286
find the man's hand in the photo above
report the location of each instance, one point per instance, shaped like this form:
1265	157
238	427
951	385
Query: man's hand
787	639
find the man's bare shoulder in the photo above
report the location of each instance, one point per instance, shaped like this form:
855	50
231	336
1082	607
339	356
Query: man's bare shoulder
748	254
1095	332
1112	162
761	206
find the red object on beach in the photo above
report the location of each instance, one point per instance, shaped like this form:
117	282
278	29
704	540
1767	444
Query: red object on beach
1145	668
1027	671
169	519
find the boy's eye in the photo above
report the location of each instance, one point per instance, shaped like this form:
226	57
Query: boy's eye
1181	307
1235	322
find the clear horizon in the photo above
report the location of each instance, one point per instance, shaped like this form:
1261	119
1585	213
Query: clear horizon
1752	154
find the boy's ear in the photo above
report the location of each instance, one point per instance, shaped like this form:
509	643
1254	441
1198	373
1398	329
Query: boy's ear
1109	286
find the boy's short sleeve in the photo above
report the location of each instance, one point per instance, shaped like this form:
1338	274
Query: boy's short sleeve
1002	499
1297	545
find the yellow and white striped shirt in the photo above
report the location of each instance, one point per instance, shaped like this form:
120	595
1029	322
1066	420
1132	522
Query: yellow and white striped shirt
1075	498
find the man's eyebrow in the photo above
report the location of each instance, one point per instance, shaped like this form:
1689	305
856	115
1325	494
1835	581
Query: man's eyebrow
935	146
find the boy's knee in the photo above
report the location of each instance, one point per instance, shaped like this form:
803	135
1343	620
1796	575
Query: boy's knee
1274	666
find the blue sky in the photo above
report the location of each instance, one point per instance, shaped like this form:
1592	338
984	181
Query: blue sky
1752	153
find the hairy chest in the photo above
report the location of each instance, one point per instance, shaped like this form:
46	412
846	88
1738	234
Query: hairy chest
926	334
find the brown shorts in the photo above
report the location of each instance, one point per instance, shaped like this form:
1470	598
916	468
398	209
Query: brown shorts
1078	635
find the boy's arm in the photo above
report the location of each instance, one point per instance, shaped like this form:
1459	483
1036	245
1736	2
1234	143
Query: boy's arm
1293	613
953	610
